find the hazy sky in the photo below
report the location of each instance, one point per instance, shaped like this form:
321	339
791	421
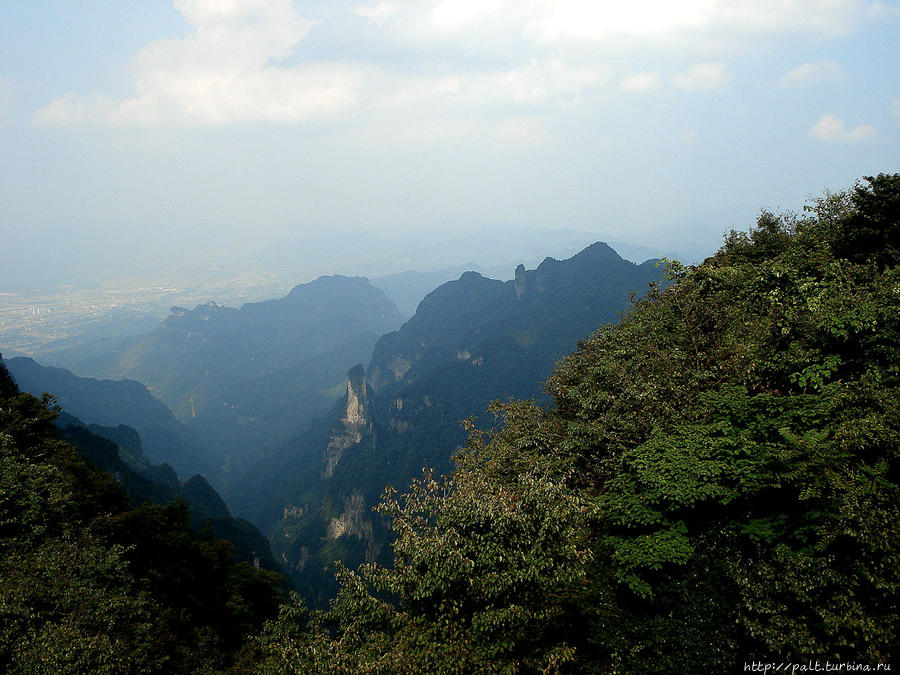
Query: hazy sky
142	128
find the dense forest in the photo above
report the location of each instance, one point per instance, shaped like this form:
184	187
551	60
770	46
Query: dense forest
714	481
471	341
90	583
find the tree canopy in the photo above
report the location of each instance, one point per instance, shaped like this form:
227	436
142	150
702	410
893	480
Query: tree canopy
716	482
89	584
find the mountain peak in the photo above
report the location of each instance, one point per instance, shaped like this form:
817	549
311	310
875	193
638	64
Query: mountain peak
521	280
470	276
598	251
329	281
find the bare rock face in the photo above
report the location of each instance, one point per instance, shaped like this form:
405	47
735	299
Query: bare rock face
520	281
348	431
293	511
387	373
303	556
352	522
357	400
399	367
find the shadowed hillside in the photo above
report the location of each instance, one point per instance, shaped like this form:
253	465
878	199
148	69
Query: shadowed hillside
471	341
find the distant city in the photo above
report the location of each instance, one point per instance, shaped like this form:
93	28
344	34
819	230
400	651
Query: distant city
30	322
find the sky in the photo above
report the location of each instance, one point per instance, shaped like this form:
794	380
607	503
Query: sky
143	131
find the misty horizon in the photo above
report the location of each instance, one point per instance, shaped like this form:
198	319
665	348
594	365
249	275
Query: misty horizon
177	135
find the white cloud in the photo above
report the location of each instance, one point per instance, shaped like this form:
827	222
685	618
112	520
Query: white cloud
833	130
641	83
451	15
379	13
226	70
537	84
544	81
599	20
73	109
703	77
812	73
233	64
880	11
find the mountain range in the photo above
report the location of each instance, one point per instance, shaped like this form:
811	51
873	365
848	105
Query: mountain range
471	341
708	476
111	403
119	450
259	399
245	379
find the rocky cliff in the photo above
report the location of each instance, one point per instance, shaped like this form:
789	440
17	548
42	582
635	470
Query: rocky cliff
349	429
471	341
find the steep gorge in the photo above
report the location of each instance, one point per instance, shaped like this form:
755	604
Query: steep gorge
471	341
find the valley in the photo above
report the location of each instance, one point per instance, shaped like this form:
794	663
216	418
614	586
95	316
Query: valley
36	323
389	337
576	437
244	396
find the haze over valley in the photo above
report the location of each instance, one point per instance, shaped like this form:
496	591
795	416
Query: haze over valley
441	336
37	321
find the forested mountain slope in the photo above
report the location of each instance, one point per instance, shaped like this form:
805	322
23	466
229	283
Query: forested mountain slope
110	444
118	452
110	403
716	483
245	379
91	584
471	341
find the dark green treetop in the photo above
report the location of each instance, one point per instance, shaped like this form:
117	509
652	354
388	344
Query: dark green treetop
716	483
89	584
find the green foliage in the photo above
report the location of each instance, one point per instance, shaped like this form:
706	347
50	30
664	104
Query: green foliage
748	416
89	585
717	483
487	564
471	341
872	231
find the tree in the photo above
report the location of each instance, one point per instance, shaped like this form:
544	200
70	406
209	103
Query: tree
88	584
717	482
487	563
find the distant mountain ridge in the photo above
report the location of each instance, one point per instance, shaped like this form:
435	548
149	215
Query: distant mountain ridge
485	246
471	341
262	336
552	305
244	379
109	403
407	289
118	450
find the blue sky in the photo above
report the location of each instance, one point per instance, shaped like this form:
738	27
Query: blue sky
131	131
